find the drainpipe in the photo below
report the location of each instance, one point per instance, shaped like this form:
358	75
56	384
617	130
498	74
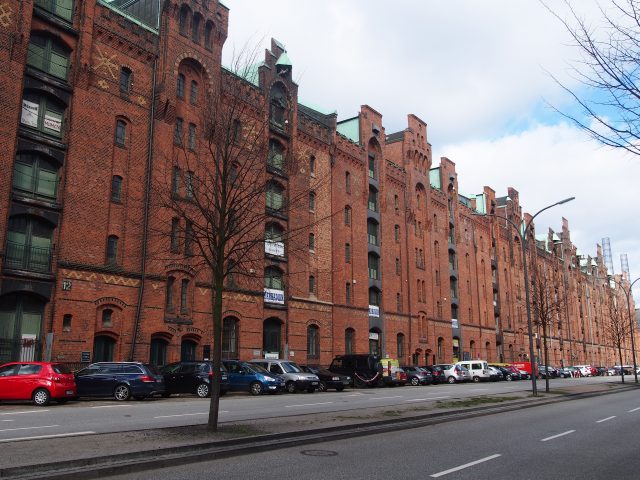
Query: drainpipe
145	221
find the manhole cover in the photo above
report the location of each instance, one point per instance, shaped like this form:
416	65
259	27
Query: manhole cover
319	453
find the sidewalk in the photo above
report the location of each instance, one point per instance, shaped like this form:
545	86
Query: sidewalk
87	456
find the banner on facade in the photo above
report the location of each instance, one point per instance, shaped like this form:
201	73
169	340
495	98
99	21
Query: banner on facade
374	311
29	113
374	336
274	296
454	323
274	248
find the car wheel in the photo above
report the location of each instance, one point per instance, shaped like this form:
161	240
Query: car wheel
509	378
255	388
415	381
476	379
322	387
451	380
41	397
202	390
122	393
291	387
339	388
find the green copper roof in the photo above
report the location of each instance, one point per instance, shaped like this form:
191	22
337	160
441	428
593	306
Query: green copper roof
249	73
284	60
318	109
350	129
145	13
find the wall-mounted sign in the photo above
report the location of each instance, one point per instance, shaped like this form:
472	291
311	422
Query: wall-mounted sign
274	248
274	296
85	357
66	285
374	311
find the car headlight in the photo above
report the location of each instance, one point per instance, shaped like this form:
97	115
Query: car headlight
270	379
335	379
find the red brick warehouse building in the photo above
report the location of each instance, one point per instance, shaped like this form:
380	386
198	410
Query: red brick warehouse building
94	95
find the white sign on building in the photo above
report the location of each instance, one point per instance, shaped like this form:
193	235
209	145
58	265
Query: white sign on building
29	113
274	248
274	296
374	311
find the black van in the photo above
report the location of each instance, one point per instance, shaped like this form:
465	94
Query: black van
365	370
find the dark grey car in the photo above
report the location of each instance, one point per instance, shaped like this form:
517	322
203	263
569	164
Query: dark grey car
418	376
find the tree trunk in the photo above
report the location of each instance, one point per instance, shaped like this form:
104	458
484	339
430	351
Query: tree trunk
546	356
621	364
216	301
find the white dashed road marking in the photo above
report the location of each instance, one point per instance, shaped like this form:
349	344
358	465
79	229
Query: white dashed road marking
18	439
466	465
605	419
558	435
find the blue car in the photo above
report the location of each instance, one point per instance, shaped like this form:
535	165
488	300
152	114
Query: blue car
253	378
120	380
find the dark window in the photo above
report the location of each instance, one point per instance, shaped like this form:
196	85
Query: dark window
278	106
177	134
112	249
125	80
372	166
28	244
169	293
275	159
275	197
193	93
48	55
121	133
400	345
271	335
347	182
374	266
312	165
347	293
116	188
372	232
312	201
107	318
347	215
175	230
188	184
60	8
192	136
66	323
398	268
349	339
158	351
396	233
312	241
273	278
184	291
373	200
312	284
347	252
398	302
42	113
184	19
180	86
188	238
175	182
237	130
313	342
374	297
35	175
195	28
103	348
230	335
208	36
188	351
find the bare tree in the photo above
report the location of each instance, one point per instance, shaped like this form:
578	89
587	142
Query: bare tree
546	305
224	184
617	325
608	68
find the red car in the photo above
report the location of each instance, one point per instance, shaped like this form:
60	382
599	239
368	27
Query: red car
39	382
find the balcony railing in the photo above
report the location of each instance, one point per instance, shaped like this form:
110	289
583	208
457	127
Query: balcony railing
23	257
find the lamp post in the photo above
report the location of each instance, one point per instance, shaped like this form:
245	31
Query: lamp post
523	235
631	325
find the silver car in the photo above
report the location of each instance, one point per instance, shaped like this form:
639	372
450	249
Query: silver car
295	378
455	373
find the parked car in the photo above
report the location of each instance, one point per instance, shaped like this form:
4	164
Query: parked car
39	382
495	374
192	377
509	372
121	380
585	370
365	370
479	369
417	375
545	371
565	372
455	373
294	377
436	371
244	376
328	379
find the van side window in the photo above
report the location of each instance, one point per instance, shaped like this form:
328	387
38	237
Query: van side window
275	368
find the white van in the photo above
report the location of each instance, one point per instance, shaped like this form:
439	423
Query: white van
479	369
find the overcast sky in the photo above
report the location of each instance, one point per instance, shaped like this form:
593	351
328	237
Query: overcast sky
477	73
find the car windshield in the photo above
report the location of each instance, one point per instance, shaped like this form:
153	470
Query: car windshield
152	368
290	367
446	367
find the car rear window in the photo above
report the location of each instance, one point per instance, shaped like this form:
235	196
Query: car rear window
131	369
60	368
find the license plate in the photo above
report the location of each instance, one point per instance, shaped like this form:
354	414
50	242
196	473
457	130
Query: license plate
69	392
314	383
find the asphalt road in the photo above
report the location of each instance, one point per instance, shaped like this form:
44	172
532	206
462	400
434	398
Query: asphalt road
593	438
22	420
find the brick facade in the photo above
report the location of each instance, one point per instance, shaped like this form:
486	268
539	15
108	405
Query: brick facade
402	263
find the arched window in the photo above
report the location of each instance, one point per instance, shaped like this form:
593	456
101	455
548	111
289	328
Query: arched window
347	182
188	350
66	323
185	15
349	341
372	232
112	250
347	215
275	159
28	244
125	79
312	166
274	240
400	346
121	133
48	55
273	278
184	296
279	105
195	28
116	188
208	35
312	284
436	249
373	199
312	242
439	350
275	197
193	93
396	233
20	327
180	86
43	112
312	201
35	175
230	336
347	253
107	318
374	266
271	336
313	342
374	297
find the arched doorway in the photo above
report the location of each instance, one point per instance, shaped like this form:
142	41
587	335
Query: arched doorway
230	336
456	350
103	348
20	326
188	350
158	350
271	336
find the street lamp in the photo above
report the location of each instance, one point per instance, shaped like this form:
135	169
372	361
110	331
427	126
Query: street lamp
523	235
631	325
